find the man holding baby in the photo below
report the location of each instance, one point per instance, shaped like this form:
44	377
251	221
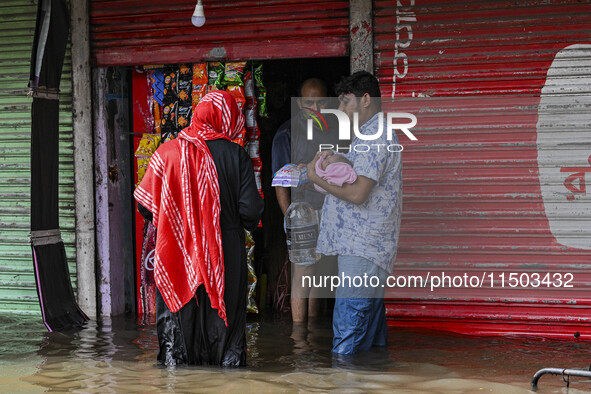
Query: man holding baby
361	220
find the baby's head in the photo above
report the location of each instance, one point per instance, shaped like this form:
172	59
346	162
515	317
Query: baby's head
336	158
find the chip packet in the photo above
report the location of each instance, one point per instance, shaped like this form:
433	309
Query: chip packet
148	145
200	75
238	93
216	75
233	73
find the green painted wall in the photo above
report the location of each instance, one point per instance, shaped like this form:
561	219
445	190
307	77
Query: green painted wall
17	280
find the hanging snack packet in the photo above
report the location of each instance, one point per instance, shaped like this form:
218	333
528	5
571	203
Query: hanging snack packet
157	117
233	73
252	147
168	137
253	138
158	86
185	85
148	145
169	101
251	305
200	74
198	92
261	92
257	166
142	166
170	82
238	93
249	116
168	123
258	78
248	87
185	69
183	116
185	103
146	148
216	75
262	104
241	138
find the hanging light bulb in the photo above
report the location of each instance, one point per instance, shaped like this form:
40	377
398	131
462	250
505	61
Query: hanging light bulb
198	18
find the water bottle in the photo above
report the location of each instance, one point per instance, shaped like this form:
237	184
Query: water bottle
301	227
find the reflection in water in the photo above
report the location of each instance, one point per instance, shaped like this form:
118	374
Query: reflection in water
119	356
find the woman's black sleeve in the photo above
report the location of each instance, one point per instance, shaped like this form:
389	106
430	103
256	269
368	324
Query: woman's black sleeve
250	203
144	212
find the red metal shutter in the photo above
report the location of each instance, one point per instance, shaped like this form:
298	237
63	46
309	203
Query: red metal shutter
494	201
132	32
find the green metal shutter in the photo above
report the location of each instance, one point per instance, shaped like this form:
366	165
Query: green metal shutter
17	278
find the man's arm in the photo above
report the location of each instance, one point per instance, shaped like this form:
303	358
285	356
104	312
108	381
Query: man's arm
283	197
356	192
280	156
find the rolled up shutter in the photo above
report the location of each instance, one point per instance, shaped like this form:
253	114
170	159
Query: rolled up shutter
17	278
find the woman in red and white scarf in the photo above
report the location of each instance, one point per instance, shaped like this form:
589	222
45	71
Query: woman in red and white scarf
201	193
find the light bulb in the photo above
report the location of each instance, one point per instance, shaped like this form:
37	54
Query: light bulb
198	18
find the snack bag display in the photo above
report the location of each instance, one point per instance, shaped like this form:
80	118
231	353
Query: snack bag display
233	73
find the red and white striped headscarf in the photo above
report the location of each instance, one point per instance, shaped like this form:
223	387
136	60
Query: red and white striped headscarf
181	189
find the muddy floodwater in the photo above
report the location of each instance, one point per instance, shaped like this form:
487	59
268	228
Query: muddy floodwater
120	356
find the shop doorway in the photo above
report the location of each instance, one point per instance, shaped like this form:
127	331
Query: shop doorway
281	79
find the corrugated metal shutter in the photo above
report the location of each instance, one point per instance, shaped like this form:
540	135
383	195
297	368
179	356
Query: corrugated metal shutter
132	32
488	200
17	278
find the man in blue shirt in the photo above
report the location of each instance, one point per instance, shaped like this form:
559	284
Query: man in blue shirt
290	145
361	221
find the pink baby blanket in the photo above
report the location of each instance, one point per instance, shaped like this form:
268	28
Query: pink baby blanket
335	174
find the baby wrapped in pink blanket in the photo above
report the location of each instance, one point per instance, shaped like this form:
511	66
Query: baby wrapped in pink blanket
336	170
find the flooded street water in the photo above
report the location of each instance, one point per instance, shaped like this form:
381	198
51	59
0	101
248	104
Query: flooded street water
120	356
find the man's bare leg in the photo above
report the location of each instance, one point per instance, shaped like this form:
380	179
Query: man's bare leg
314	303
299	294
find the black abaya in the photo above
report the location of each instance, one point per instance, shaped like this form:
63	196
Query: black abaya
196	335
